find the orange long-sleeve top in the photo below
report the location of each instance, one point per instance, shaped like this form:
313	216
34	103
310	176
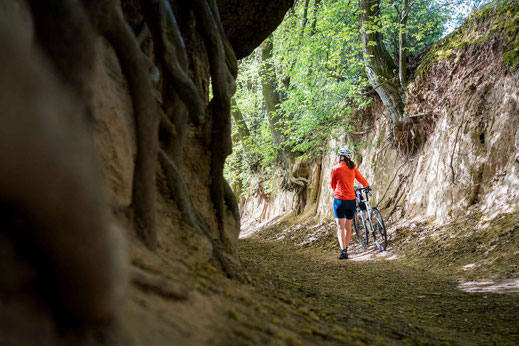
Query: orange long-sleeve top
343	179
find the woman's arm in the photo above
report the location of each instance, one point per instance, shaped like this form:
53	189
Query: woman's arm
333	181
360	178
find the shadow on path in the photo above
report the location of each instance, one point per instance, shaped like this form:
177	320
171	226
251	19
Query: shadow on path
378	300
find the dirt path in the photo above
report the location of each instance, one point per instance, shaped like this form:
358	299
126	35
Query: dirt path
316	298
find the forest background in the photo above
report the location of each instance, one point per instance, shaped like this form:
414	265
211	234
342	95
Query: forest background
303	86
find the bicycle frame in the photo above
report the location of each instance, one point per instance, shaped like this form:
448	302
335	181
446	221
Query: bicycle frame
364	199
363	209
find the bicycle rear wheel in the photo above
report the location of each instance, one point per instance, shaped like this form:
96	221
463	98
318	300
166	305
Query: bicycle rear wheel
360	228
379	230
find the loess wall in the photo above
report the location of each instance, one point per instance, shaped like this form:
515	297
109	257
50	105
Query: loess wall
82	85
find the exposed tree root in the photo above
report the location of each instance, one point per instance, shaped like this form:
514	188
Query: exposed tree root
391	183
65	35
230	57
181	196
180	193
109	21
222	75
299	180
399	194
412	133
160	285
454	147
179	115
174	49
166	125
231	202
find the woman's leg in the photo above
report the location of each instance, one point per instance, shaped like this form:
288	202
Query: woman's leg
341	234
350	207
348	232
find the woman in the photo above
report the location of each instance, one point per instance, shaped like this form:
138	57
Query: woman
344	203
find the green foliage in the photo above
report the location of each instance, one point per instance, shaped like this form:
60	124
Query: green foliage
424	27
503	18
323	63
510	27
318	62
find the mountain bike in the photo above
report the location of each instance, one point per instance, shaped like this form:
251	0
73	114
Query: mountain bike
369	220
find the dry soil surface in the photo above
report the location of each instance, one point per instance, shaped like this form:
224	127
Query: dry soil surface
292	289
308	296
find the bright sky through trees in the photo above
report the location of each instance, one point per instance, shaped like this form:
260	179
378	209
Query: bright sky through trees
462	11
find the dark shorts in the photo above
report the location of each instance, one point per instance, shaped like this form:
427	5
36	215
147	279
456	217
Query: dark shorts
344	209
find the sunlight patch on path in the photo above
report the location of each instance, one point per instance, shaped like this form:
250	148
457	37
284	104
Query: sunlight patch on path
507	286
251	226
371	253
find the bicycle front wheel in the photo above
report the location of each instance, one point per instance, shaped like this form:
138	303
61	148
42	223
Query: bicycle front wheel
379	230
360	228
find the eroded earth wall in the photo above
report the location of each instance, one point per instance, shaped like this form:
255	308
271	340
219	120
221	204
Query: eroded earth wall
69	147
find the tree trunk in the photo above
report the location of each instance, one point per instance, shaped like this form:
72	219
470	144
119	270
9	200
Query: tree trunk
243	130
305	17
402	41
380	67
272	98
314	21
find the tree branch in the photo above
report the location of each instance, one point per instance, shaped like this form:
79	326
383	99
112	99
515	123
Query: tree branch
408	9
397	11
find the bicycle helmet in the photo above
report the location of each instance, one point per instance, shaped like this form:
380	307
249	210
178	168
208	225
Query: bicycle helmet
345	152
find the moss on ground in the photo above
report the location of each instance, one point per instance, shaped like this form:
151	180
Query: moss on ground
467	248
294	290
298	292
499	19
317	299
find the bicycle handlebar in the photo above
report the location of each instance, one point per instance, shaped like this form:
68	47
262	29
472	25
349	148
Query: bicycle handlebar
366	190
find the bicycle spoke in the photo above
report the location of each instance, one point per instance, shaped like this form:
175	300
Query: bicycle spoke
360	229
379	230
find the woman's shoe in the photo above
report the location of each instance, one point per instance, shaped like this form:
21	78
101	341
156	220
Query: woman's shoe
344	254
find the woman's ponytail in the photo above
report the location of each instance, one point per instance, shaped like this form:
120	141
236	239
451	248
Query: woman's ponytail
350	163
